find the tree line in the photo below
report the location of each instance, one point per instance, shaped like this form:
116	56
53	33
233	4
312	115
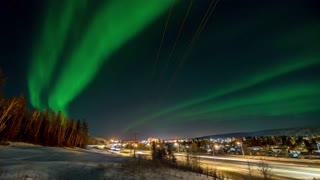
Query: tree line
47	128
163	153
286	143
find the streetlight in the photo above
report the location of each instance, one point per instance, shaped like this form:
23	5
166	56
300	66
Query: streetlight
177	144
240	144
213	148
134	149
148	145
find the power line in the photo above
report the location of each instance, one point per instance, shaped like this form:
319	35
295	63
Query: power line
193	41
175	43
161	42
177	38
154	69
200	28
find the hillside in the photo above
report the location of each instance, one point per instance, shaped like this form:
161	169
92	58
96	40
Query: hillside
271	132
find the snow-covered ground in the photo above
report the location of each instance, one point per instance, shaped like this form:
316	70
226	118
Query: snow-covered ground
26	161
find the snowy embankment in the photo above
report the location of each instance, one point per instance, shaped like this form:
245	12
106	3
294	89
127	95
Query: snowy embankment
26	161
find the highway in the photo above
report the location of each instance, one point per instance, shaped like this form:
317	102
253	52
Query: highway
279	170
290	169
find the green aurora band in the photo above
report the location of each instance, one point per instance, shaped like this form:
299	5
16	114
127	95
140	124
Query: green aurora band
291	106
247	82
274	109
107	32
267	103
49	46
115	24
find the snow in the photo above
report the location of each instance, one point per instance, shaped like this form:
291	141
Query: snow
27	161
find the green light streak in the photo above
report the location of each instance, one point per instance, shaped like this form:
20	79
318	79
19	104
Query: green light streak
257	111
51	42
274	97
277	109
289	100
249	81
116	23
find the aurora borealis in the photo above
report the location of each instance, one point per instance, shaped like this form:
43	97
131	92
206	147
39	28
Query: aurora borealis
243	84
49	46
105	33
254	66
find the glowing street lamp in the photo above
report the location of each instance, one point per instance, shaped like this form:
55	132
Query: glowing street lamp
134	149
149	145
240	144
213	148
177	145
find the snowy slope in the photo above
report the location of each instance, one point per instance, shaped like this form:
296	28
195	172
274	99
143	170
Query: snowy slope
25	161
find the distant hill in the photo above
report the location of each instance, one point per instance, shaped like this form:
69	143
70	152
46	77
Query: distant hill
97	140
271	132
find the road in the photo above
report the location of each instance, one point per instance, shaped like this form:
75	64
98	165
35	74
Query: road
291	169
279	170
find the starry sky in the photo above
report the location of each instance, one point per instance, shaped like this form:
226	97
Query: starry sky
169	68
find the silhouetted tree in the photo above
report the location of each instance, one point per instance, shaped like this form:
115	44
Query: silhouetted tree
2	81
171	157
46	128
84	132
14	118
264	168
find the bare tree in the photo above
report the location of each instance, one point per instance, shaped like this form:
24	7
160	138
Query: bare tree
264	168
46	128
2	80
7	111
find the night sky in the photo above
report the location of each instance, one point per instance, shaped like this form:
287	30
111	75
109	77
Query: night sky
254	65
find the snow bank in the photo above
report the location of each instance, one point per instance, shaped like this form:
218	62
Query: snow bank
26	161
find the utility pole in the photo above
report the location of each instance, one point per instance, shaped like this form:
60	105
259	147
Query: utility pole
241	145
178	147
242	148
213	148
134	145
